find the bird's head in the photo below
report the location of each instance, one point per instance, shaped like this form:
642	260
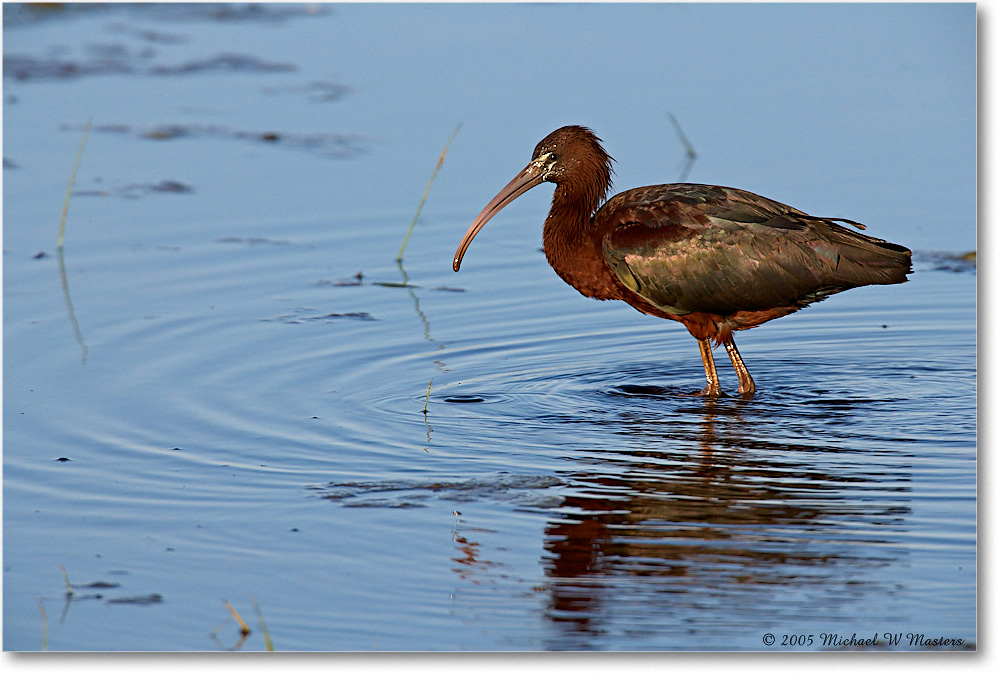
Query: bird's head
572	158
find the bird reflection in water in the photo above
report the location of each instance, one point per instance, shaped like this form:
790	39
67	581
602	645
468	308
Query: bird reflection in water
690	515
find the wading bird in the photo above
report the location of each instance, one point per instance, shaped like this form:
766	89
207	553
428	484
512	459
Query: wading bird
717	259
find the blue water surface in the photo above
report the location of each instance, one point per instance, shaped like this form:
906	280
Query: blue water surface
216	392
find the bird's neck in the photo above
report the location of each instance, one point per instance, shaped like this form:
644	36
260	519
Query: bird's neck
574	248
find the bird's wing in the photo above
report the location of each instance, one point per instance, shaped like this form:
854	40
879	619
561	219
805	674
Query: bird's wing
697	248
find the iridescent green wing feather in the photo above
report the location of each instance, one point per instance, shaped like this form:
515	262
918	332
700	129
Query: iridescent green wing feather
698	248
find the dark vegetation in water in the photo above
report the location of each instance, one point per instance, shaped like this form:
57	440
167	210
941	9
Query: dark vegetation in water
120	60
307	318
146	56
75	596
223	62
359	280
307	315
138	190
356	280
331	145
948	262
141	52
150	599
519	489
253	241
16	15
316	91
72	593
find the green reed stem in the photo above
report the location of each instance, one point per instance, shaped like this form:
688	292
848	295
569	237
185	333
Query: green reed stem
72	181
428	397
423	199
69	586
263	626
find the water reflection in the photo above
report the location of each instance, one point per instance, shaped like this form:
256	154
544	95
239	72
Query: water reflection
694	514
468	556
69	307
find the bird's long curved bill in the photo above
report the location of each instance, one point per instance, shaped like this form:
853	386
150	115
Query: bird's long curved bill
524	181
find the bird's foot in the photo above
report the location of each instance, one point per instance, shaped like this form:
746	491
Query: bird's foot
713	390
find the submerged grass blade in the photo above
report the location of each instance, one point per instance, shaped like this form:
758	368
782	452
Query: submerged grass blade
69	586
423	199
263	626
428	397
244	628
72	181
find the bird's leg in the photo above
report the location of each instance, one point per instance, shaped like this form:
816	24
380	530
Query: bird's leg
713	388
746	382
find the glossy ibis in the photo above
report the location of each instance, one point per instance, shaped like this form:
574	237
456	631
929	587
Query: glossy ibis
717	259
